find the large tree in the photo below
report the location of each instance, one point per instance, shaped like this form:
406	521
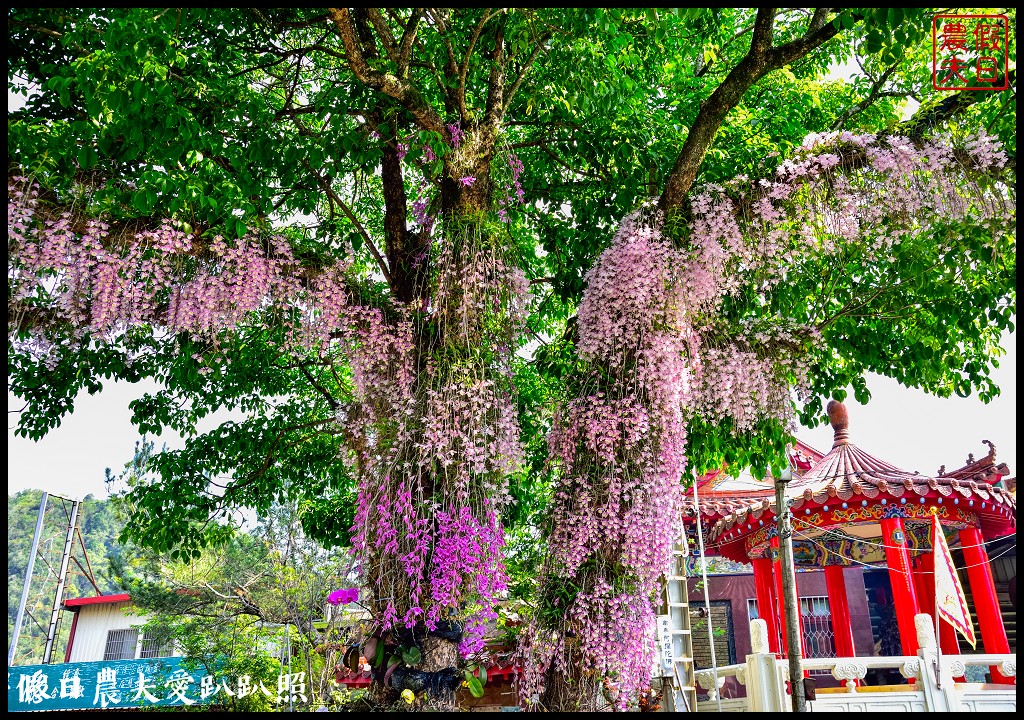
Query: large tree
328	220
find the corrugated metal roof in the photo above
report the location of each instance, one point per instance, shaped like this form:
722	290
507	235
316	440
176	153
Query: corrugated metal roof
97	600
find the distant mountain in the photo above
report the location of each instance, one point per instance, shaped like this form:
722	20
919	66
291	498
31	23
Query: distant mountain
99	529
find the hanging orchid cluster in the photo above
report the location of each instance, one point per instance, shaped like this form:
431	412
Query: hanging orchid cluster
433	429
620	450
432	490
652	328
81	275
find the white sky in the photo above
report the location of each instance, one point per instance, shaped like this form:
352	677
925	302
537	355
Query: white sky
70	460
917	431
903	426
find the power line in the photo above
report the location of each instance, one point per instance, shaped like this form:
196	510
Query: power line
893	570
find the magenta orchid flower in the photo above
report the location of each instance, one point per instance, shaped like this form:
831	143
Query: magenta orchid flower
343	596
455	131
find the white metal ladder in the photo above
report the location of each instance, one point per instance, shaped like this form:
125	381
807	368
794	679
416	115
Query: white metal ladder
679	690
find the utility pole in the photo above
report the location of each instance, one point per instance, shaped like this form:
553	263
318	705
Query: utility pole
28	579
790	601
62	577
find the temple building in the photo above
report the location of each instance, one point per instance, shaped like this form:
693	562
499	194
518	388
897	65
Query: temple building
862	551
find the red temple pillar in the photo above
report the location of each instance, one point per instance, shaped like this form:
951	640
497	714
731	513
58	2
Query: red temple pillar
986	604
767	610
839	604
904	597
777	567
924	581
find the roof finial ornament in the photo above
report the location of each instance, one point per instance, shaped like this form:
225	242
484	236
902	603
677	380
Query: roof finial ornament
942	471
840	420
970	458
991	450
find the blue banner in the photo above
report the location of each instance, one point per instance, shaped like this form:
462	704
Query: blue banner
113	684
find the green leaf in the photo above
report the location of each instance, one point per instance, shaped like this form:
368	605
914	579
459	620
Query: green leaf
874	42
85	157
475	688
412	655
356	239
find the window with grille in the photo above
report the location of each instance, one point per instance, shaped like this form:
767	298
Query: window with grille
752	613
121	644
153	647
721	625
819	639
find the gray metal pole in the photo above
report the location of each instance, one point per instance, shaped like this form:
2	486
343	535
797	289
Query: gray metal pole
288	640
62	576
28	579
707	596
790	601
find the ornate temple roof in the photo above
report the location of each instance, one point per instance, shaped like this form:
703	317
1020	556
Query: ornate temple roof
981	471
720	493
847	474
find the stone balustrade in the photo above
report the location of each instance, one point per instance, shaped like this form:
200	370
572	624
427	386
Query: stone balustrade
934	687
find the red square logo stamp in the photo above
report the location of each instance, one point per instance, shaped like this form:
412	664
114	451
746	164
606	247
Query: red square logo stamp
970	52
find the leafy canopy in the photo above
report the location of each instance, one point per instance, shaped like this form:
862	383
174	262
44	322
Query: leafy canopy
234	121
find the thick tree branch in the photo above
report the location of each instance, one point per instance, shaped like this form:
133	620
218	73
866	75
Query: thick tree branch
818	20
396	229
537	50
816	35
928	117
712	113
703	67
380	25
408	38
453	99
760	60
268	460
325	185
873	95
761	40
442	30
331	400
464	68
392	86
496	83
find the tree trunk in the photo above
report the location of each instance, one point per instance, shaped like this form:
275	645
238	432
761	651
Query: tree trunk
440	654
465	195
573	690
466	184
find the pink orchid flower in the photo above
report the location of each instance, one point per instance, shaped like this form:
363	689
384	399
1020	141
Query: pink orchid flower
343	596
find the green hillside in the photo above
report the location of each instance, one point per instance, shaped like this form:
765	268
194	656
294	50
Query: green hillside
99	529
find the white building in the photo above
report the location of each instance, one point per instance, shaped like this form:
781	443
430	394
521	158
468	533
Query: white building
106	628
